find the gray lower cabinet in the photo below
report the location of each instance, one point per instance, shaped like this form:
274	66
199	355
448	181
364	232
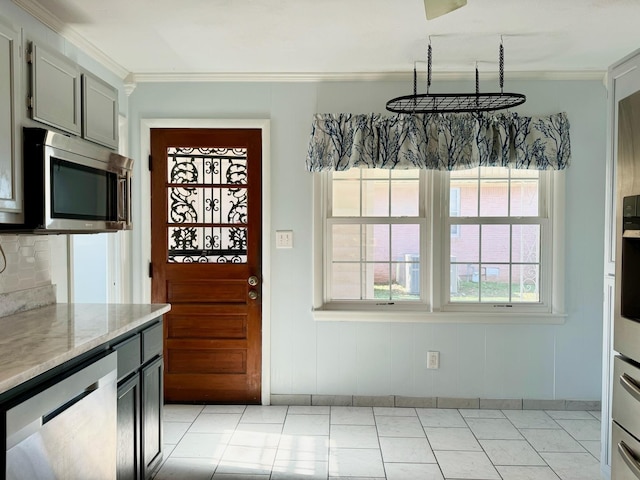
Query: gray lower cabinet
140	400
10	143
152	416
129	429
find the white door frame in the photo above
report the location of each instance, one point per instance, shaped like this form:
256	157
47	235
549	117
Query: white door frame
141	233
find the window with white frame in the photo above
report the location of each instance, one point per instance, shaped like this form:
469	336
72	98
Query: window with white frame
467	240
499	236
375	231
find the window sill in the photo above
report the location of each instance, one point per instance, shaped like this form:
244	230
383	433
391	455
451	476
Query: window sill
321	315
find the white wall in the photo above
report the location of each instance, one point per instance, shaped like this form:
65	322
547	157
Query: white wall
90	268
487	361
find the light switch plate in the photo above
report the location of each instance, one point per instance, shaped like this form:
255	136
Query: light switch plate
284	239
433	360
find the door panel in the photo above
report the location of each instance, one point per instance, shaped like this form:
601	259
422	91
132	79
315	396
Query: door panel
208	360
206	245
210	291
211	326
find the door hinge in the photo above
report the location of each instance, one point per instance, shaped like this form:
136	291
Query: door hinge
150	163
30	101
29	55
150	270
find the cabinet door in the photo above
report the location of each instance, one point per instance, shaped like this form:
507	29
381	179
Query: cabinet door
607	370
99	111
152	399
129	429
55	90
10	144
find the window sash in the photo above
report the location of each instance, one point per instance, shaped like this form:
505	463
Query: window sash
545	192
329	261
329	221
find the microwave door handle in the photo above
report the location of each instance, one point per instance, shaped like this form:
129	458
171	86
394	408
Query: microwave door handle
124	213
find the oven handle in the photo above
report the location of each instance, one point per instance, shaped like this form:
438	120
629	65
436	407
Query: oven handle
631	386
629	458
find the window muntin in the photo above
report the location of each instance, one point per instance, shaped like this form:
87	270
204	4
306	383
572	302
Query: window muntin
454	208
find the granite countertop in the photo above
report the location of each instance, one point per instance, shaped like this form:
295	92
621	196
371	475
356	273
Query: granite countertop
37	340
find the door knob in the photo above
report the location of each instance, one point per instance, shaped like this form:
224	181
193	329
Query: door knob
253	295
253	280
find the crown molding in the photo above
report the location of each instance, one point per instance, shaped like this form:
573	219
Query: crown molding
50	20
356	76
129	84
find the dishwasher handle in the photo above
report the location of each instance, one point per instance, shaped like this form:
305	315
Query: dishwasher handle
30	415
47	417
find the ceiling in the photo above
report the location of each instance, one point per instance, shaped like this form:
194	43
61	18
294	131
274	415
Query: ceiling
316	38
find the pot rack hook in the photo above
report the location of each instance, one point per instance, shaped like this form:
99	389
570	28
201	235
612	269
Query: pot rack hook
501	64
429	59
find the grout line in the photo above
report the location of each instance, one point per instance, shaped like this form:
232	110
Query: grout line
529	443
375	421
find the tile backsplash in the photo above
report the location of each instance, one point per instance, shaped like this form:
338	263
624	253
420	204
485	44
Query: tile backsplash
28	261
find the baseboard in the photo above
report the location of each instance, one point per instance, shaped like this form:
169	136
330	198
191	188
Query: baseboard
434	402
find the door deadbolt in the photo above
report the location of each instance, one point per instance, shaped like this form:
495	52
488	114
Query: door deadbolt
253	280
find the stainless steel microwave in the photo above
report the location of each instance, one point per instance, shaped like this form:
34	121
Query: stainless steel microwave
74	186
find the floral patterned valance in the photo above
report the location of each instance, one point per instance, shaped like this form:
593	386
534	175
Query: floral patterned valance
438	141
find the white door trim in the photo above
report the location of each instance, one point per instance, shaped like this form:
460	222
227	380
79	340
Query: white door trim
141	233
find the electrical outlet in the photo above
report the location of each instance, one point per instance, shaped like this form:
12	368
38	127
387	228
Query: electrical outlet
433	359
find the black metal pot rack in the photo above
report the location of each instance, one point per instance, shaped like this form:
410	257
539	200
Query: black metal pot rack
455	102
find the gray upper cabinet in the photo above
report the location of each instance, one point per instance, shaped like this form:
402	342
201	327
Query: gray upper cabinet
10	143
99	111
73	100
55	90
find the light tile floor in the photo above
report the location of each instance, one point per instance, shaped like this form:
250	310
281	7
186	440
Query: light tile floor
280	443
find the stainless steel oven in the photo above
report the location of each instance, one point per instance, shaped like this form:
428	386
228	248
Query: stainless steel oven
625	448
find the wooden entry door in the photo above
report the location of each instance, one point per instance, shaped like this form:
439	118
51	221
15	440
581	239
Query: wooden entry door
206	238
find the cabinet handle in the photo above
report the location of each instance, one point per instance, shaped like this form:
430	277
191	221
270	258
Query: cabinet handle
629	458
630	385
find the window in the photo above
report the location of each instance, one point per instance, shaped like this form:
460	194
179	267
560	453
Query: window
496	236
375	227
430	241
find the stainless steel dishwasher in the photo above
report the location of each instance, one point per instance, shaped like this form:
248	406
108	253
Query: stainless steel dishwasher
68	430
